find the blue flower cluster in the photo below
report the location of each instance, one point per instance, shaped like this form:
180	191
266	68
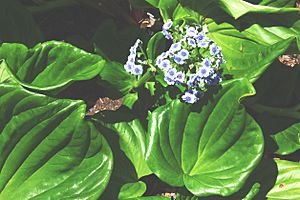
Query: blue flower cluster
134	64
193	60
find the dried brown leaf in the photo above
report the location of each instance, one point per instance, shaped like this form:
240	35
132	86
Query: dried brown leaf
103	104
290	60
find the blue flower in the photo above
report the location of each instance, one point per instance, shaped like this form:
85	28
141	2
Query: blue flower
164	55
167	25
159	60
171	73
180	77
137	70
191	42
179	60
191	32
214	79
131	58
200	37
167	35
192	80
175	47
128	66
170	76
190	96
165	65
203	44
213	49
169	80
204	72
206	62
184	54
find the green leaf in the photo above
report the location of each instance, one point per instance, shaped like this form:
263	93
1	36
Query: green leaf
183	197
49	66
166	7
253	192
287	185
171	9
115	42
123	171
17	24
130	99
132	190
210	149
249	53
132	143
288	140
4	75
156	45
236	8
47	149
115	77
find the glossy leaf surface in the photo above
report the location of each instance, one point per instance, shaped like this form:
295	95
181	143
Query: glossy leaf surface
288	140
287	185
238	8
132	142
249	53
50	65
210	149
4	75
132	190
47	149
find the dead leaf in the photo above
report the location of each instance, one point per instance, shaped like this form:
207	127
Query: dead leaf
105	103
290	60
147	22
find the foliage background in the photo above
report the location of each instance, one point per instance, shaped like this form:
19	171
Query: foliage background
252	38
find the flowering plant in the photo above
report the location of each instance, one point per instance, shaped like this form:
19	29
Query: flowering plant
192	61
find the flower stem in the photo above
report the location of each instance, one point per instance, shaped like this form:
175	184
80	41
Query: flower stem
147	76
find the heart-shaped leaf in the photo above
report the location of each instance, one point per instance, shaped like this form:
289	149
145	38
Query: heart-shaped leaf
47	149
210	149
288	140
287	185
249	53
50	65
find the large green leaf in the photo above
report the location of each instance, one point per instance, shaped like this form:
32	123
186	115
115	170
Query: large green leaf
171	9
114	42
249	53
287	186
47	149
238	8
115	77
50	65
124	183
288	140
210	149
17	24
132	142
